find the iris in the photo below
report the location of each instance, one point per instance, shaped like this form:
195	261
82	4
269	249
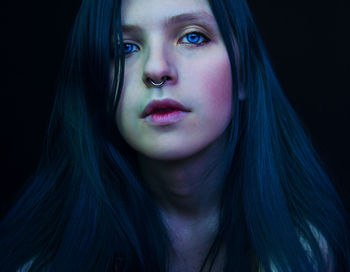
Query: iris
193	37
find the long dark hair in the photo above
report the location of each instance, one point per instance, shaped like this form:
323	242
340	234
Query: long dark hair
87	209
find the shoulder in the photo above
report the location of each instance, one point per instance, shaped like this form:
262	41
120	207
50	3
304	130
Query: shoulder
327	254
323	245
26	266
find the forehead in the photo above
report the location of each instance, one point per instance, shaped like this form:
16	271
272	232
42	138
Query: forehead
156	12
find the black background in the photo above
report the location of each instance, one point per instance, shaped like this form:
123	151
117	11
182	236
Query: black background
308	45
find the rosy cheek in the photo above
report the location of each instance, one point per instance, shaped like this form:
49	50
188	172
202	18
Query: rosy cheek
219	87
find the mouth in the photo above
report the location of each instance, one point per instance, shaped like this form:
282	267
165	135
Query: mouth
163	108
165	118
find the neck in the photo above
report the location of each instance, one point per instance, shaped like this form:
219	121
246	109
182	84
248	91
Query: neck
188	188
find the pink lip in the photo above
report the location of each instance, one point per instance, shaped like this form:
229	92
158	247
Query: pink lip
165	118
155	105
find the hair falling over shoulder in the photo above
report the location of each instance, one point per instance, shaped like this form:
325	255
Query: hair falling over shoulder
85	208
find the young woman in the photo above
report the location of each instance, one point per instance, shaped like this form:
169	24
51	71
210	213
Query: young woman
171	147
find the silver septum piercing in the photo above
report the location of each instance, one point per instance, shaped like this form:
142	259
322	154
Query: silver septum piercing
157	84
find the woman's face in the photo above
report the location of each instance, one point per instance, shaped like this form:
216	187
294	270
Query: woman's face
179	40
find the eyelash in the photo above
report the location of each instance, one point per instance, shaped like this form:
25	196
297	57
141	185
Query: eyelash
204	40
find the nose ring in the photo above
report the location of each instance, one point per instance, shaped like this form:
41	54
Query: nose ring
154	84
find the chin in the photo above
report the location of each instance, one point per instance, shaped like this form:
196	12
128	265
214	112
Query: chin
167	154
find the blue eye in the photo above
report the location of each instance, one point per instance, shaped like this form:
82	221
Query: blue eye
128	48
195	38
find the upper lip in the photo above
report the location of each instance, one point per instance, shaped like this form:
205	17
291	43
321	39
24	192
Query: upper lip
163	104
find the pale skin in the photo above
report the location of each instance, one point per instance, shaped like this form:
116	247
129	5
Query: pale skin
173	160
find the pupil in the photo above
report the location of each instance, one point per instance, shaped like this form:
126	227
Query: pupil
193	37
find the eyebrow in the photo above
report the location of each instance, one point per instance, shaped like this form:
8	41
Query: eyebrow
203	16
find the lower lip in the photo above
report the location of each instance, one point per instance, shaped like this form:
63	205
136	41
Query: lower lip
165	118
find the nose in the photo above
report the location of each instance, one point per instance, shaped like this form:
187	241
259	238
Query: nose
159	67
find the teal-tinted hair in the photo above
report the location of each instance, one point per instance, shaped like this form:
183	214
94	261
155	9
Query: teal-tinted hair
86	208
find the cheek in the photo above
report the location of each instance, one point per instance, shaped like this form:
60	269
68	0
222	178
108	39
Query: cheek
124	108
217	89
